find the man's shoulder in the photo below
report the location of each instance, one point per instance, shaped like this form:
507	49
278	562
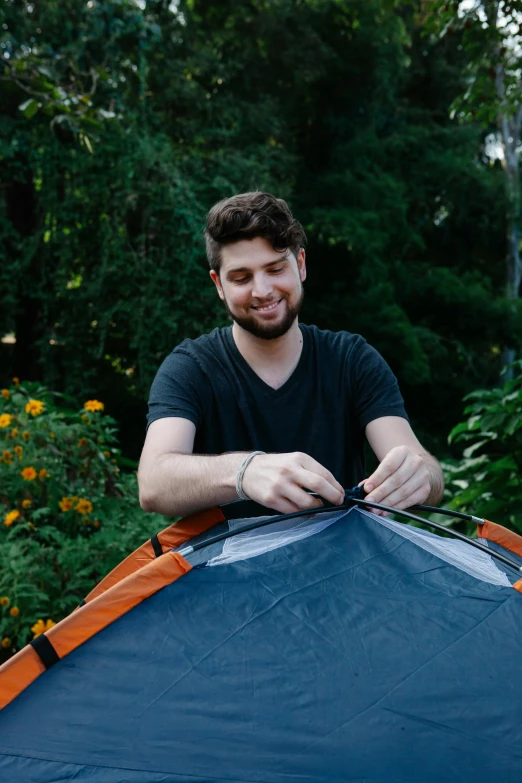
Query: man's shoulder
212	342
193	357
326	342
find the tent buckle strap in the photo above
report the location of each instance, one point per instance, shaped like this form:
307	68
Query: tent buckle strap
45	650
156	546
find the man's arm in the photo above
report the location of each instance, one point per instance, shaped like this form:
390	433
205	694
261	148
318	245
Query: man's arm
407	475
173	481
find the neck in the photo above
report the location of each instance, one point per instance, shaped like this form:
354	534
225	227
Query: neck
283	351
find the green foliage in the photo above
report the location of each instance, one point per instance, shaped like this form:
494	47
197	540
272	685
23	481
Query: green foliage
122	125
487	480
489	32
68	515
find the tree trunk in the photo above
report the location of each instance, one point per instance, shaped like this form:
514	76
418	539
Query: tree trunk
22	212
509	127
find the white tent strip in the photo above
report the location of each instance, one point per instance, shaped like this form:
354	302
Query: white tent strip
456	553
265	539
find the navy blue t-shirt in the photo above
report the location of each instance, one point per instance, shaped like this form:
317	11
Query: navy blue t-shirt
339	385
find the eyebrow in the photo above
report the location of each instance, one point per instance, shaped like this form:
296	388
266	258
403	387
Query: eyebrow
237	269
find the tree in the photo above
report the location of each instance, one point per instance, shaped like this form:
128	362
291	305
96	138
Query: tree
408	218
491	34
139	118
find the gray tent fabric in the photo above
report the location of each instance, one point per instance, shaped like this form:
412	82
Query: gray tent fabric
356	650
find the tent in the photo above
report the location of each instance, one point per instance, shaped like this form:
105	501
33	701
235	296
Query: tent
337	647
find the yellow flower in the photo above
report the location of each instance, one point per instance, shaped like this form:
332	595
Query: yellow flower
19	451
93	406
5	393
96	523
7	457
83	506
25	435
66	504
29	474
82	442
107	454
10	517
16	381
4	601
27	503
40	627
5	420
14	433
43	474
6	642
34	407
14	611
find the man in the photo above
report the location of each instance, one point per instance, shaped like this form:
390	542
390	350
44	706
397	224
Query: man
271	407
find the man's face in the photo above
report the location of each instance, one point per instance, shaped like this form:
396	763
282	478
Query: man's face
262	288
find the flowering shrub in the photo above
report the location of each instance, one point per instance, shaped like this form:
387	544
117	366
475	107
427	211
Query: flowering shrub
68	513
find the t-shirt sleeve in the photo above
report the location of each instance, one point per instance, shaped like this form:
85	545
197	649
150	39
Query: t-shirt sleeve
376	391
177	390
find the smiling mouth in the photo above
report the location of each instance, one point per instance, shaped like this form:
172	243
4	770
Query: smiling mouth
266	308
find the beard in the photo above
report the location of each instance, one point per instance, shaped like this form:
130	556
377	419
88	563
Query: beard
268	331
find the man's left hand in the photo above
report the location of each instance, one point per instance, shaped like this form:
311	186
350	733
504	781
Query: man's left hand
401	480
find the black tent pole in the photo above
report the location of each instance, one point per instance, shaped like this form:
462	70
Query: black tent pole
350	502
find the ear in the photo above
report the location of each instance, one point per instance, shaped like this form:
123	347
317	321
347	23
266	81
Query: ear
301	264
217	282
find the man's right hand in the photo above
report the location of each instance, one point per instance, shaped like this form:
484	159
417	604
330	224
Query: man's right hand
280	481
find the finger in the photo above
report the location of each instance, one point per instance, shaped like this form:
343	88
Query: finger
396	488
284	505
320	485
397	479
376	511
301	499
311	465
411	493
390	464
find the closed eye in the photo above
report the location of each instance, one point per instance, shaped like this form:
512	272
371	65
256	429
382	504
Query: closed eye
273	270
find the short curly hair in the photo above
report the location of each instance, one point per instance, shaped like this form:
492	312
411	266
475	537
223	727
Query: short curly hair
251	215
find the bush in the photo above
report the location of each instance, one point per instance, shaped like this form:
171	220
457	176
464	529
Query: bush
68	513
487	482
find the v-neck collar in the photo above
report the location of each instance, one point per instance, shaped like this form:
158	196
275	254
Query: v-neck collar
268	390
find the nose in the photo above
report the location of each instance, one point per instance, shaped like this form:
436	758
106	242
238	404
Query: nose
262	287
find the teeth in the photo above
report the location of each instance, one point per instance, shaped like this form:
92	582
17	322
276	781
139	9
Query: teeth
268	307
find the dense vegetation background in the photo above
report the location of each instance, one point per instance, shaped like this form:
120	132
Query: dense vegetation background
392	128
123	121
